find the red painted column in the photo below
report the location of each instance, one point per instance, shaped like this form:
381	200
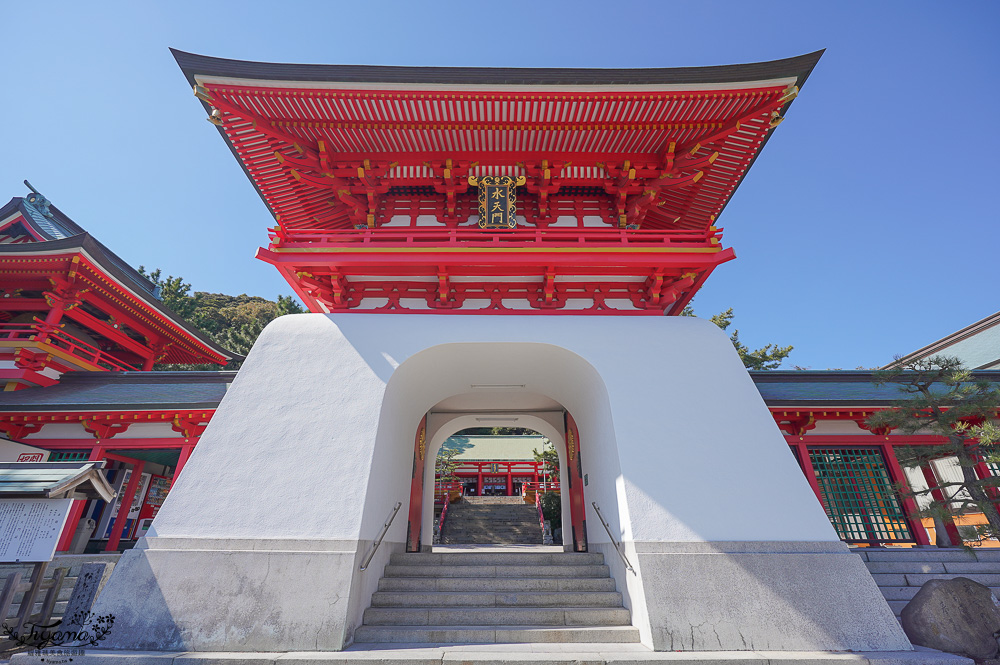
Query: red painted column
909	505
479	480
66	538
572	478
510	481
938	495
182	460
414	520
122	516
535	473
55	314
807	468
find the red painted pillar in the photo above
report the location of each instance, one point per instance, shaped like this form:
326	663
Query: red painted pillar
55	314
66	538
938	495
807	468
414	524
510	481
535	473
479	480
122	516
573	482
182	459
909	505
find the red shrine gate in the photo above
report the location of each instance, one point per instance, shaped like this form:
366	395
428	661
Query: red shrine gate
395	189
570	474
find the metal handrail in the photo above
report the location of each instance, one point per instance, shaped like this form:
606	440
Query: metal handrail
617	545
378	541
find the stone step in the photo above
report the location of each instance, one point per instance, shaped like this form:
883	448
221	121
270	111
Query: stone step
495	635
497	558
899	592
491	517
889	579
897	606
492	524
990	580
457	524
496	584
907	567
496	616
492	528
497	571
965	568
919	554
992	554
409	599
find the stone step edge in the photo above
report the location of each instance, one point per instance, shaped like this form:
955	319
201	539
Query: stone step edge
503	608
534	627
595	653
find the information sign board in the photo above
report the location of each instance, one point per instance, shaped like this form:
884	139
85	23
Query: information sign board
30	528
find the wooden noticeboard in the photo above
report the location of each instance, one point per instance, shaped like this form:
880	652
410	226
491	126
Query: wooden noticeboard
30	528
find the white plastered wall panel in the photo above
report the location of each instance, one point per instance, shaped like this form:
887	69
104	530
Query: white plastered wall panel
313	445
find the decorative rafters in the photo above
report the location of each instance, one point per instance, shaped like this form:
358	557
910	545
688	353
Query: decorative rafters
420	130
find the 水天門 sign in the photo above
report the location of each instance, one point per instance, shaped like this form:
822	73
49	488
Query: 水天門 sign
497	201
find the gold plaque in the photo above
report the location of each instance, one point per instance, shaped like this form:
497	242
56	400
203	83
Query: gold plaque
497	201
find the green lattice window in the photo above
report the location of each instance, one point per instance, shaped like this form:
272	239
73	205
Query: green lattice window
994	468
858	495
69	455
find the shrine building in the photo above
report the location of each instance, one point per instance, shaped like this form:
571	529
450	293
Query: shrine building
490	247
74	314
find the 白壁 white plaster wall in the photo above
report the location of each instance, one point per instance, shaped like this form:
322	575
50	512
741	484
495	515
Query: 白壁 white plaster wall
313	445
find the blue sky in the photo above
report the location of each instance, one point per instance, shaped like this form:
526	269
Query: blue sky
867	228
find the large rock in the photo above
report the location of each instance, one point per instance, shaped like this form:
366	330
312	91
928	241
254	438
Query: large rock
958	615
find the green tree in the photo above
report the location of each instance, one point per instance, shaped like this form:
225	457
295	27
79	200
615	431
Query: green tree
174	292
549	458
233	322
942	398
445	464
768	356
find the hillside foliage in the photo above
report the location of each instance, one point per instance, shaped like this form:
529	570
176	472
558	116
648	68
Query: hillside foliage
233	322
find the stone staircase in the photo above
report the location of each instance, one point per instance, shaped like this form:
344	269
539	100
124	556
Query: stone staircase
498	520
502	597
900	573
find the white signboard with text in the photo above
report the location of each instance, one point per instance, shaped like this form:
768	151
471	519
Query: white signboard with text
30	528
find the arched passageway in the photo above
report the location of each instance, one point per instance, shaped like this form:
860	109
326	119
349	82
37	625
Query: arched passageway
554	424
446	388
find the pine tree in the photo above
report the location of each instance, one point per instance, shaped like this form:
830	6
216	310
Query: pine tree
549	459
942	398
768	356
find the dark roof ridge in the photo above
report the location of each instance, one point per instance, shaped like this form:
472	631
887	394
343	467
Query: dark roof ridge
193	64
836	375
943	343
107	259
182	376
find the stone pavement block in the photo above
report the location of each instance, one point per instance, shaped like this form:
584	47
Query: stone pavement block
99	657
388	656
919	656
524	658
914	566
920	554
227	658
